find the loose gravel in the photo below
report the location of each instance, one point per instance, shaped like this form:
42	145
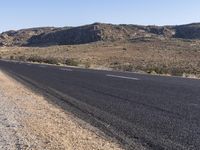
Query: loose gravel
29	121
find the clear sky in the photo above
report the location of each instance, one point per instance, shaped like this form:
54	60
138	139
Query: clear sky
16	14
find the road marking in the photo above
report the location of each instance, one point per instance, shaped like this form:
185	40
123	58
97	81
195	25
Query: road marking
65	69
122	77
194	105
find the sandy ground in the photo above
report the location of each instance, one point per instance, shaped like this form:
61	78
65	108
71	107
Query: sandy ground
28	121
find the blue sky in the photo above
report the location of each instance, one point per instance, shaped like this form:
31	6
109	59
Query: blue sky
16	14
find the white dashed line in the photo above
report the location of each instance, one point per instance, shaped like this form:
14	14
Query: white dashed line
122	77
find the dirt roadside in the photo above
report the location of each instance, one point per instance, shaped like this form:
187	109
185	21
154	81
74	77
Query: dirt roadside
28	121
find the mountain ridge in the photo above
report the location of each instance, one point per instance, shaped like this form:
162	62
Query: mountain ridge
96	32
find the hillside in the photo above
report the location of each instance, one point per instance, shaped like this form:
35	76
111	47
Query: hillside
21	37
96	32
190	31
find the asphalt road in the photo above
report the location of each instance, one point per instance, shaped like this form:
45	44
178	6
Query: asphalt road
157	112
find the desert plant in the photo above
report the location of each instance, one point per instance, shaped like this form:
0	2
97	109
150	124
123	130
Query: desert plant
128	67
115	63
35	59
11	57
124	49
48	60
22	58
71	62
51	60
176	71
87	65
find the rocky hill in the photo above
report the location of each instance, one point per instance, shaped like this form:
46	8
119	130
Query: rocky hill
100	32
95	32
21	37
190	31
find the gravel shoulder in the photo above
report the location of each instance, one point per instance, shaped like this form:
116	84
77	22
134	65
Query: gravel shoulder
28	121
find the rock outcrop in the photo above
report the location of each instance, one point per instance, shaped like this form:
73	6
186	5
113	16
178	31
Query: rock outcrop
95	32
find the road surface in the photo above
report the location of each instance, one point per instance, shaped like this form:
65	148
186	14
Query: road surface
156	112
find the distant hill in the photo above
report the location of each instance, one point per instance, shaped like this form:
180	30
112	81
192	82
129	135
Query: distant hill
189	31
99	32
21	37
95	32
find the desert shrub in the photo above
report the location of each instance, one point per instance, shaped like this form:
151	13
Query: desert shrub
115	63
115	66
124	67
162	69
71	62
48	60
176	71
35	59
124	49
151	68
128	67
11	57
51	60
21	58
158	70
87	65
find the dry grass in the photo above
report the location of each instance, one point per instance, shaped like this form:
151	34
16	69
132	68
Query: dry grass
175	57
